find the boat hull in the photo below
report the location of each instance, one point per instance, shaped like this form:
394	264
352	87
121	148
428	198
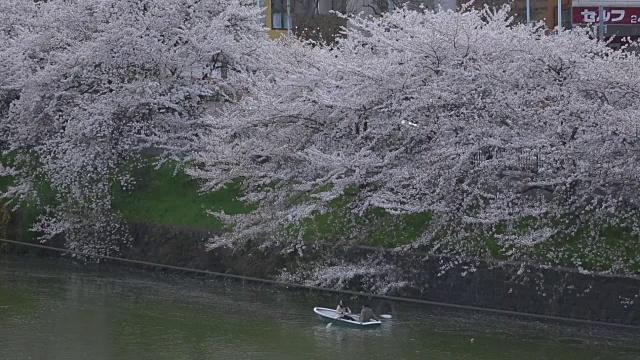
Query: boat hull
332	316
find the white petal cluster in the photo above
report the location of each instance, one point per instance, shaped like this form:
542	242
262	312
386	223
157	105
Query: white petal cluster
371	274
467	116
88	87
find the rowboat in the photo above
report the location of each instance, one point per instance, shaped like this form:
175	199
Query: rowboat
334	317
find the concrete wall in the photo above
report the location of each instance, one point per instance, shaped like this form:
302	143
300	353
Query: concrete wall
518	287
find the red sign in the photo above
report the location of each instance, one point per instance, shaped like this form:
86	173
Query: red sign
611	15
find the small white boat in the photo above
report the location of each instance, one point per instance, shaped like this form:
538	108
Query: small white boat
334	317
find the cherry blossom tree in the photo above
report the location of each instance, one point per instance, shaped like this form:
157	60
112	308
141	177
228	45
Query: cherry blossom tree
86	86
490	126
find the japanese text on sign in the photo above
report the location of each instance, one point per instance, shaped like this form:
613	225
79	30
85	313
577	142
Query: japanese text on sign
622	16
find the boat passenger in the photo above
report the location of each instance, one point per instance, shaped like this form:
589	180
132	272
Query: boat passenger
367	314
344	310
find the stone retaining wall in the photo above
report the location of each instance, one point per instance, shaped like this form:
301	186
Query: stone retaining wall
518	287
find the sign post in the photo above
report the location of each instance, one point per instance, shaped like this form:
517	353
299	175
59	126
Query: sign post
559	15
601	23
288	17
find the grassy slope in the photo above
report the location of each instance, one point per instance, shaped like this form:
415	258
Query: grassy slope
160	197
375	227
164	198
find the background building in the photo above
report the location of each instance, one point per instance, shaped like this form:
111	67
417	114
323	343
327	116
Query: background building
539	10
314	19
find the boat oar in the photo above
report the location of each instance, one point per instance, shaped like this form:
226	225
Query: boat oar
385	316
329	325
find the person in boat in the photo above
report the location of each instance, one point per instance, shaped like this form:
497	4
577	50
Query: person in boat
344	311
367	314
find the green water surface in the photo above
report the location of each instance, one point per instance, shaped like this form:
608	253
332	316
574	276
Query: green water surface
53	310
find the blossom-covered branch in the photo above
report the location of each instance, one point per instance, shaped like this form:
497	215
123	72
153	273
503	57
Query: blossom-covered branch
467	116
87	86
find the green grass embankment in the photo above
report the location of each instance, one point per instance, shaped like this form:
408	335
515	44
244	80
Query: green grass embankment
160	197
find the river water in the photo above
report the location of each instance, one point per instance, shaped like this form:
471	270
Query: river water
53	310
